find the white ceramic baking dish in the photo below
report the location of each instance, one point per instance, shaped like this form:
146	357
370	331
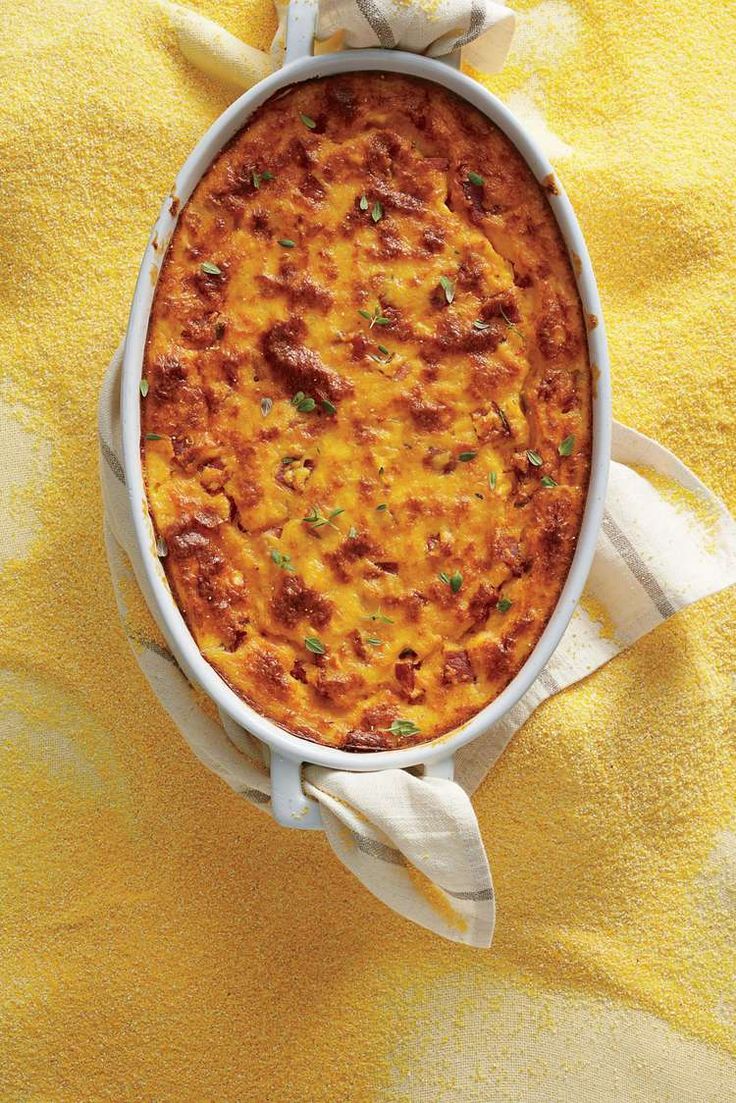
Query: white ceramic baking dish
288	752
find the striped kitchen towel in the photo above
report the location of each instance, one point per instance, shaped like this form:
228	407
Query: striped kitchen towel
480	28
414	842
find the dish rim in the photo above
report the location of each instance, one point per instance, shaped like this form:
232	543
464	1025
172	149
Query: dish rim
155	585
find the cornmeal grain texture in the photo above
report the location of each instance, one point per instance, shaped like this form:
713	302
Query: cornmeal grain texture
365	354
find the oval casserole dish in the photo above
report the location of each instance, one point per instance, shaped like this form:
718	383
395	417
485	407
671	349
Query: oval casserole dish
260	717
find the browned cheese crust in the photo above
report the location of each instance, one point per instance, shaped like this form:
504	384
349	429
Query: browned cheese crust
368	418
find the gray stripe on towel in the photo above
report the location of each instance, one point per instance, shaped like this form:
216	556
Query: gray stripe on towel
112	461
375	849
549	682
477	15
394	857
378	23
474	894
255	796
152	645
637	566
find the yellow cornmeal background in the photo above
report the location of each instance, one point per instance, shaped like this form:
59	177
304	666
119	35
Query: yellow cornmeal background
162	939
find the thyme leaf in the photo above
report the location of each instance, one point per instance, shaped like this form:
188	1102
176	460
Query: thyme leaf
281	559
448	287
454	580
403	728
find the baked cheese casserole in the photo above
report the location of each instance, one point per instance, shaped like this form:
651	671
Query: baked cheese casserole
367	411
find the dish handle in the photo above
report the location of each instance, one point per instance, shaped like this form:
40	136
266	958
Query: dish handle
291	807
301	27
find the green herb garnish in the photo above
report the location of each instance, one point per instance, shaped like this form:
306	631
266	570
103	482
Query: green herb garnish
266	406
547	480
448	287
363	203
454	581
403	728
504	605
380	617
304	403
286	243
373	641
153	436
377	212
282	560
534	458
480	324
492	479
143	387
328	406
376	318
475	178
310	123
465	457
512	325
565	449
380	508
257	177
286	460
210	269
504	419
318	520
315	645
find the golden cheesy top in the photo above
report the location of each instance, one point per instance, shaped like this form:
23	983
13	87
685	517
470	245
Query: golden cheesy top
366	411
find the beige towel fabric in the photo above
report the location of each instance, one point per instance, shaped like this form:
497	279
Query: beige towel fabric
481	29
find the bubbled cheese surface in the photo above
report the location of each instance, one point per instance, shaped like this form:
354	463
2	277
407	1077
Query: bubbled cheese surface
367	422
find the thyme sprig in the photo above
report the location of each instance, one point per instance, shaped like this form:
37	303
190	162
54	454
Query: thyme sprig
376	318
317	519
